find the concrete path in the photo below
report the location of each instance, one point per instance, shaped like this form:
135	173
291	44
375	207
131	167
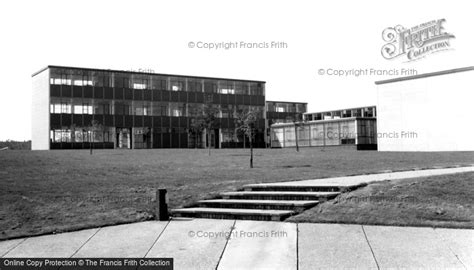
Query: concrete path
368	178
231	244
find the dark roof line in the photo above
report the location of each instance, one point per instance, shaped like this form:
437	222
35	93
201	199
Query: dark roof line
143	73
425	75
286	102
342	109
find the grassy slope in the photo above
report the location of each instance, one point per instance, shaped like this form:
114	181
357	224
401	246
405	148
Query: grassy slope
438	201
45	191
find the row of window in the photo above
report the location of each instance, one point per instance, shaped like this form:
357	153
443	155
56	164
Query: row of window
362	112
156	82
83	134
90	106
286	107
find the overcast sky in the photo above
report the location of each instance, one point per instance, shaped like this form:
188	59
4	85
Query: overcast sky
155	35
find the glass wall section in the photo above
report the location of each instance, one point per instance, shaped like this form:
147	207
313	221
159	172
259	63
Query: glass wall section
177	84
60	105
122	108
226	87
60	77
60	135
317	135
289	136
327	133
83	106
160	109
102	107
241	88
177	109
140	82
256	89
102	79
210	86
194	85
141	108
347	132
367	131
331	133
277	137
300	108
121	80
304	135
195	109
159	83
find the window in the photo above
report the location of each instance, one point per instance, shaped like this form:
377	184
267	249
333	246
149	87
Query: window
65	107
139	86
226	88
60	135
210	87
158	83
178	109
86	108
176	85
122	108
301	108
60	78
160	109
102	108
241	88
256	89
195	109
194	86
139	82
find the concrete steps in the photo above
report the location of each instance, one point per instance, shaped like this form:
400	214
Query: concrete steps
323	187
231	213
298	206
268	201
279	195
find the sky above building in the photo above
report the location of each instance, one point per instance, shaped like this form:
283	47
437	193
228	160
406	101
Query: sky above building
297	47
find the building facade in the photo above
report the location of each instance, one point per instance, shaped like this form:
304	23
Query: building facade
426	112
355	127
283	112
76	107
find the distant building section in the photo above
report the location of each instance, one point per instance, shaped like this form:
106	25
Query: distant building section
355	127
283	112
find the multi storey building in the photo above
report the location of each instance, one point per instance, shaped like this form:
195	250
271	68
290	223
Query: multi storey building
138	109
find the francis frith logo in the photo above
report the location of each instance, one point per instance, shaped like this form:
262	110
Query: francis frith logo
415	42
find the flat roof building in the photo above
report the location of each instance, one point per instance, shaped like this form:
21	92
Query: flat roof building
426	112
138	110
354	127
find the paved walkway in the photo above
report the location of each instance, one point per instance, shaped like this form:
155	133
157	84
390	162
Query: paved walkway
204	244
367	178
238	244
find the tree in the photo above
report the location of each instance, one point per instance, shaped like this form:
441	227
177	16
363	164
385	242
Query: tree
92	129
209	120
245	123
196	127
298	124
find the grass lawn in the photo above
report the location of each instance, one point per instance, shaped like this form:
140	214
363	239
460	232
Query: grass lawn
437	201
52	191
